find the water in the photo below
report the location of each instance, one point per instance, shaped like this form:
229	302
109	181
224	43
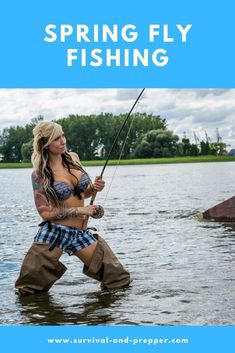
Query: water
183	268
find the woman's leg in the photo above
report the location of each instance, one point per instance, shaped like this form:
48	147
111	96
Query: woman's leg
40	269
102	264
85	255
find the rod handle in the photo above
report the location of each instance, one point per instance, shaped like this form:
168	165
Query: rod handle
86	218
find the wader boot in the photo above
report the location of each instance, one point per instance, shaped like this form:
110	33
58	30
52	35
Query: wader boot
39	271
106	268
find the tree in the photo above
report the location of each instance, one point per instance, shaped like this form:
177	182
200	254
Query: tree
186	145
218	148
14	137
194	150
90	136
81	134
143	150
205	148
157	143
11	144
26	151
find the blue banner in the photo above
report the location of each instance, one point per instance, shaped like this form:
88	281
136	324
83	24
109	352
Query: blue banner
122	44
117	339
100	44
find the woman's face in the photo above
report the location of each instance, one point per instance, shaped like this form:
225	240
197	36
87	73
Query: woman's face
58	146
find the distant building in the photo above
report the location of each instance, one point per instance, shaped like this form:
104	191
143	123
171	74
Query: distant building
231	152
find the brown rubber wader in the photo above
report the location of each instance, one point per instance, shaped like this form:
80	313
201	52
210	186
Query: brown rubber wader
39	271
106	268
41	268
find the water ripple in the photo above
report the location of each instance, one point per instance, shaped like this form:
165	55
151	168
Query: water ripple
182	268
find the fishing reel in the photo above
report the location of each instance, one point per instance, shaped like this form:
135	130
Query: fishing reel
99	212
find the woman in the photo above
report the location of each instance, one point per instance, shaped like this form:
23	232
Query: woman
60	186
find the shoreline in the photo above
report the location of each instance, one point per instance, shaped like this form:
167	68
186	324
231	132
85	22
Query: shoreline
173	160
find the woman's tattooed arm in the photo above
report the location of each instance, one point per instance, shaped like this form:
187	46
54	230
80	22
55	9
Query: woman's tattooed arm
48	212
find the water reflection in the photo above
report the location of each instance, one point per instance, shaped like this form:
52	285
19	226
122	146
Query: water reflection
43	309
229	228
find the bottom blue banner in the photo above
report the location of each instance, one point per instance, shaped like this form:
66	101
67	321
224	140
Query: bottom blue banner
106	339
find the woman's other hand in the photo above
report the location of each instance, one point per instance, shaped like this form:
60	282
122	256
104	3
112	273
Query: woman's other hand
99	183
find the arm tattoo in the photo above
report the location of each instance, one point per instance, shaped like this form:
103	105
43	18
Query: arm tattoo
42	204
62	213
39	195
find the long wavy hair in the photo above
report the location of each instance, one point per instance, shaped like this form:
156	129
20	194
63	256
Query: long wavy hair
45	133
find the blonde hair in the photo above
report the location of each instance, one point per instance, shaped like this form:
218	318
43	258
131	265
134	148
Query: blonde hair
45	133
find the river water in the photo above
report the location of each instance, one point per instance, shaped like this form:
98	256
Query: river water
182	268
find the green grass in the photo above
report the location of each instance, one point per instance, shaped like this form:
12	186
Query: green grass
199	159
15	165
163	160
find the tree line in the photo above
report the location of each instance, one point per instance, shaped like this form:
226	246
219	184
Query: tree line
145	136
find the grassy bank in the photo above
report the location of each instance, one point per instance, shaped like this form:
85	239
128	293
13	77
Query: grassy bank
199	159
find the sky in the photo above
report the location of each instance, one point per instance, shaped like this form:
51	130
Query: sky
187	111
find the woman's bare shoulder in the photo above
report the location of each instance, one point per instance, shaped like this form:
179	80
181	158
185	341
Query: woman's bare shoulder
75	156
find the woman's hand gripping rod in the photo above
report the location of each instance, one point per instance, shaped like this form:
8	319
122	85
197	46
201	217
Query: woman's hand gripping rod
99	211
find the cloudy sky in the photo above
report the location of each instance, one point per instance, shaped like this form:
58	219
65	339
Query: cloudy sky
186	111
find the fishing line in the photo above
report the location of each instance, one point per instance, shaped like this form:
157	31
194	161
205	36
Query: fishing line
122	149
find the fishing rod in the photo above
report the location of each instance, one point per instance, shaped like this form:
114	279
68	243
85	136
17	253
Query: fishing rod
119	132
100	211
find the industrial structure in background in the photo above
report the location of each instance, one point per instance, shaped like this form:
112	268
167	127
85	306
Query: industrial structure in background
207	146
196	139
208	139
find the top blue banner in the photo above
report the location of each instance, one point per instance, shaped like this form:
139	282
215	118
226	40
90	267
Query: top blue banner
103	44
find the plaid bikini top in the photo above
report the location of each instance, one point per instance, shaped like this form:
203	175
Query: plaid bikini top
65	190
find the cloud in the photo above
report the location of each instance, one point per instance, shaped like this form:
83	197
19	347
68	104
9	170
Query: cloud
127	94
185	110
202	92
